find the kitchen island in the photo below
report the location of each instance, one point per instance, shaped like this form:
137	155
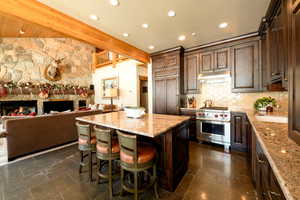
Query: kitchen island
168	133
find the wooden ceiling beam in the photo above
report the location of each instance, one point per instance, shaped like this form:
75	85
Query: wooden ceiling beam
38	13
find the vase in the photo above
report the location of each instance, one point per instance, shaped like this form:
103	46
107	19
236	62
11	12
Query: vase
3	91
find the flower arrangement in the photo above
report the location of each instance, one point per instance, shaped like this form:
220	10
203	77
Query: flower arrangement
261	104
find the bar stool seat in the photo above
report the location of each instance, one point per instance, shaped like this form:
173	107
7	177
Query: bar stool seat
146	153
114	149
84	141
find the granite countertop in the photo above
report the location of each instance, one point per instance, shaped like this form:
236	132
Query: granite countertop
150	125
282	153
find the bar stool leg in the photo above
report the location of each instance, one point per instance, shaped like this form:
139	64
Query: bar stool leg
98	170
135	185
90	166
122	181
110	179
155	183
81	161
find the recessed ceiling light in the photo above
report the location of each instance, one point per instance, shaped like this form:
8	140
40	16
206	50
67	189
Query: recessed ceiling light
223	25
193	34
125	34
94	17
114	2
182	37
145	25
22	32
151	47
171	13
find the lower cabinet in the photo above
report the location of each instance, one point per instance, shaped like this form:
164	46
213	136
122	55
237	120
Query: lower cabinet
240	132
266	183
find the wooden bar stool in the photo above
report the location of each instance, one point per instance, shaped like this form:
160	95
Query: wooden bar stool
86	143
107	150
135	158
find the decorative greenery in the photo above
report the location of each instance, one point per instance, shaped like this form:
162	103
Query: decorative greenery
47	87
264	102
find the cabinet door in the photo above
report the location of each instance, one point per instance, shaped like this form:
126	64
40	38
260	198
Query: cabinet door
294	72
206	62
275	192
172	96
160	96
246	74
239	136
171	60
191	70
222	60
158	62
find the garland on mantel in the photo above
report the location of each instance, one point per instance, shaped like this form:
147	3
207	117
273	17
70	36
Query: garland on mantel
44	90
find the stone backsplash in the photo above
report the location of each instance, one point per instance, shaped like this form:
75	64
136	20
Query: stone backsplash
221	95
25	59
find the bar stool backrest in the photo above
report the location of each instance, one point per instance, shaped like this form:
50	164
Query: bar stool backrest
104	138
128	145
84	133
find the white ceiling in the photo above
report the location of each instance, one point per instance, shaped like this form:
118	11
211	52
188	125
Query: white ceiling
199	16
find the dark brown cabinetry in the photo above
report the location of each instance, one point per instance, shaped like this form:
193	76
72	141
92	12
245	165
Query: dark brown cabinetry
207	62
240	132
294	74
191	71
214	60
167	72
276	33
245	71
267	186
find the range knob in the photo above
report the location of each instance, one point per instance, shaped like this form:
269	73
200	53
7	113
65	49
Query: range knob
216	116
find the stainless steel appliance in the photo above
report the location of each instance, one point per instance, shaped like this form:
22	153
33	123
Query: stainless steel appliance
213	125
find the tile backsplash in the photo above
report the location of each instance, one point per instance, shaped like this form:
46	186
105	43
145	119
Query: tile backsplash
221	95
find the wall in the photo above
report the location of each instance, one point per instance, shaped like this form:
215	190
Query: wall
221	95
127	73
25	59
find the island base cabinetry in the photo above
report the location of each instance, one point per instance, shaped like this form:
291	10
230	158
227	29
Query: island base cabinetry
173	151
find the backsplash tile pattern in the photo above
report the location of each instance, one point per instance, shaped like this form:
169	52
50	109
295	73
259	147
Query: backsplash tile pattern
221	95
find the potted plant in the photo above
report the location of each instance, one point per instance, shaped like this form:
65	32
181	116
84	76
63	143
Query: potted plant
265	104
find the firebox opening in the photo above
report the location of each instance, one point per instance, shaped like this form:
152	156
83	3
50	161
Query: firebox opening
58	106
18	108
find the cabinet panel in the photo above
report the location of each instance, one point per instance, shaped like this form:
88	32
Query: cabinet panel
172	97
158	62
171	60
206	62
191	70
246	76
160	96
222	59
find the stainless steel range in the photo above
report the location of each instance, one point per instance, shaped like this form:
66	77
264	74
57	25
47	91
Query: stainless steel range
213	125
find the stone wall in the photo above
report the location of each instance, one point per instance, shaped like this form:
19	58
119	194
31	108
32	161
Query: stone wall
25	59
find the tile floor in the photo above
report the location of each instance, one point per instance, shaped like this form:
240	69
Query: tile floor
212	175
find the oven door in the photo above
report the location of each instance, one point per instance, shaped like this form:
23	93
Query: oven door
213	131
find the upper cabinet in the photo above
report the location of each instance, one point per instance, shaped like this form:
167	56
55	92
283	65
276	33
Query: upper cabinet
294	74
191	71
245	70
275	32
222	59
214	60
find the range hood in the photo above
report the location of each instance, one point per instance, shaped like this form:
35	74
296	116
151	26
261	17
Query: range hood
214	75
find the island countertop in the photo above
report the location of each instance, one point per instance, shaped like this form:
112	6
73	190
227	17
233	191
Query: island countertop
150	125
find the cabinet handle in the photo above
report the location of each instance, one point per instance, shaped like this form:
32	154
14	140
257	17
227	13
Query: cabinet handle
273	194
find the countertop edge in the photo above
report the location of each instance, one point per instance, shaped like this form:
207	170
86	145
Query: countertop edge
281	181
135	132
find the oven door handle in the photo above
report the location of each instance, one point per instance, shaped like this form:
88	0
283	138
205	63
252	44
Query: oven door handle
213	122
